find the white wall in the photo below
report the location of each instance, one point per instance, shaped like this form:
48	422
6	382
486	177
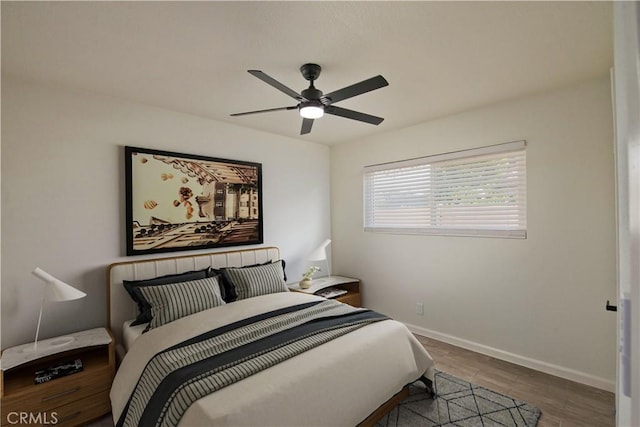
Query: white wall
538	301
63	194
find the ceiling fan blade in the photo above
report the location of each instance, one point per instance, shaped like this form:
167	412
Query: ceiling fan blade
357	89
306	126
354	115
273	82
265	111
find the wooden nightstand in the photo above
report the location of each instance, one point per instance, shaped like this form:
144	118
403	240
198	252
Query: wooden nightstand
66	401
352	286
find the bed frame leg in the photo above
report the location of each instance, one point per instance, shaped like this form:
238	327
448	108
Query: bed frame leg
429	385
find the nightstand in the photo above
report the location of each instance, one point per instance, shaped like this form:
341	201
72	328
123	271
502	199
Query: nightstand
352	286
66	401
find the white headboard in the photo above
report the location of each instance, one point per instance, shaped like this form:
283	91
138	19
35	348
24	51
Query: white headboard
120	307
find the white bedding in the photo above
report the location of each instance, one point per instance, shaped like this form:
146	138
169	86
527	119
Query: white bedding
339	383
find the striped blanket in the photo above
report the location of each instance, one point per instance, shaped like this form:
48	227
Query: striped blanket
178	376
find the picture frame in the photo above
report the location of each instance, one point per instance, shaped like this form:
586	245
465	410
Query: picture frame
179	202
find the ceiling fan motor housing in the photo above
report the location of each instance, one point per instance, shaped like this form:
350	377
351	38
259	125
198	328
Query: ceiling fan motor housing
312	94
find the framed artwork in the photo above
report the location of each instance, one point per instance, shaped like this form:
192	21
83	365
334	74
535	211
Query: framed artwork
178	202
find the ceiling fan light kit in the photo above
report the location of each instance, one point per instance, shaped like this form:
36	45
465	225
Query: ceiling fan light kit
312	111
312	104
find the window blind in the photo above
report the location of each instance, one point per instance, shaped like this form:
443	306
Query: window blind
478	192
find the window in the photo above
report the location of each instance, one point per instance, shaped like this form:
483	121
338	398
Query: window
478	192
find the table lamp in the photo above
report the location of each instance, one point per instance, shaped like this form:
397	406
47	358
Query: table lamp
55	290
320	254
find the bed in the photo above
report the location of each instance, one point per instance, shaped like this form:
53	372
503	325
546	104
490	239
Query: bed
334	366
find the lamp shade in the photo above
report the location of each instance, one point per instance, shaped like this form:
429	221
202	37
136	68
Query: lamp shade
320	253
60	291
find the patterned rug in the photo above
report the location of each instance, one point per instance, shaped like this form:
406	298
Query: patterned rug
459	403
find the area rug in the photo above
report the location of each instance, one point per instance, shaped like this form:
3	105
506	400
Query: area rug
459	403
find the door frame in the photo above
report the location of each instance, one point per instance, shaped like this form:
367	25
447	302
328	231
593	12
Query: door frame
626	96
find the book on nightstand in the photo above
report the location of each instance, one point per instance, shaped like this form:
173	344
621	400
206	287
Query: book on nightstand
331	292
57	371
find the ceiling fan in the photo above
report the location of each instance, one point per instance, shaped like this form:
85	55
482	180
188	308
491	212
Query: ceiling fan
312	104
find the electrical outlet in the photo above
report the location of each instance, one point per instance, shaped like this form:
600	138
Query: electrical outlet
420	308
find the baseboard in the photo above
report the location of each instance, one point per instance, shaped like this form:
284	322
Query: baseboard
538	365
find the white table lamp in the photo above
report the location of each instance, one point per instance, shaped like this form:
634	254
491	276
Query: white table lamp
55	290
320	254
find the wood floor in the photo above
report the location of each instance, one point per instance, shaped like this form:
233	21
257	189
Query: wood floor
563	403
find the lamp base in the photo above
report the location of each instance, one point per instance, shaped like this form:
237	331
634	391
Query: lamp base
50	344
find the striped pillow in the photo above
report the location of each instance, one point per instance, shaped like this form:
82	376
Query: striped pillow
254	281
144	308
171	302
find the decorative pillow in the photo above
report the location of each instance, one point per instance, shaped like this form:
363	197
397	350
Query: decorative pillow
176	300
253	281
228	290
144	309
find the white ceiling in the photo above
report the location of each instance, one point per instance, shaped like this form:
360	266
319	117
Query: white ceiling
439	57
